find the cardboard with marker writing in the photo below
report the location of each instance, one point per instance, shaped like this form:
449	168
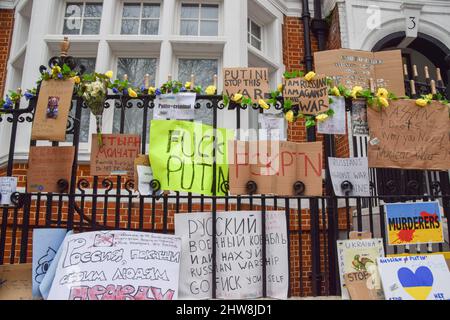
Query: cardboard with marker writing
15	282
250	82
52	110
311	96
358	289
48	165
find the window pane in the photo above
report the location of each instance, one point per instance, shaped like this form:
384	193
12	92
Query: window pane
88	63
189	28
151	11
208	28
74	10
149	26
91	26
129	26
72	26
210	11
93	10
256	43
131	10
189	11
256	30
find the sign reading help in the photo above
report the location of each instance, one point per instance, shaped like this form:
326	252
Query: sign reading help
310	96
250	82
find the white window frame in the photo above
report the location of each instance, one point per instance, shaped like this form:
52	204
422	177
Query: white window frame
63	17
119	25
251	20
204	56
200	3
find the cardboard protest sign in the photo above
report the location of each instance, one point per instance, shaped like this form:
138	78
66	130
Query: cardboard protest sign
47	165
360	126
336	123
52	110
275	166
413	223
360	235
118	265
409	136
179	106
46	243
272	127
15	282
238	257
415	277
310	96
182	156
353	170
8	186
250	82
357	255
360	288
116	155
355	67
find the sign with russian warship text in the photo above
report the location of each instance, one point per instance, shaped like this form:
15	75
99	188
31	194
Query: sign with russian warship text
409	136
182	156
118	265
415	277
275	166
412	223
355	67
238	256
336	123
310	96
354	170
116	155
357	255
250	82
179	106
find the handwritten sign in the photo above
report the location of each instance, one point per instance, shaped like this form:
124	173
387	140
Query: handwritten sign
355	256
410	137
250	82
353	170
52	110
310	96
360	126
415	277
354	68
182	156
118	265
239	255
116	156
275	166
413	223
47	165
336	123
8	186
272	127
175	106
360	287
15	282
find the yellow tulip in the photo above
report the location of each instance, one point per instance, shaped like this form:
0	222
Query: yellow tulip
237	97
132	93
310	75
187	85
421	102
263	104
322	117
429	97
382	92
210	90
76	79
383	101
280	87
355	91
56	69
151	90
289	116
335	92
109	74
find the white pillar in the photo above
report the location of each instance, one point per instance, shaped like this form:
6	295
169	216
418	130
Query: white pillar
166	55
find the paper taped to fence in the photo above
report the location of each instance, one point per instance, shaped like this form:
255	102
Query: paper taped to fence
275	166
15	282
272	127
353	170
409	136
311	96
336	123
239	255
415	277
118	265
250	82
8	185
360	126
179	106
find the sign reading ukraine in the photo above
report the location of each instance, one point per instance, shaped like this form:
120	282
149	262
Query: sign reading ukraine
414	223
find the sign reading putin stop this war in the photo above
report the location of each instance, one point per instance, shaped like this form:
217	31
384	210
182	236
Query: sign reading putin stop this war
250	82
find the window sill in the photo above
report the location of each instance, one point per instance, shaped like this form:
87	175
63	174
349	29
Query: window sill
191	44
132	44
80	45
258	58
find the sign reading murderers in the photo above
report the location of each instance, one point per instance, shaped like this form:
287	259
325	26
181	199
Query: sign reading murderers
415	277
182	156
353	170
48	165
238	256
336	123
117	265
275	166
179	106
310	96
409	136
52	110
15	282
116	155
414	223
250	82
360	126
354	68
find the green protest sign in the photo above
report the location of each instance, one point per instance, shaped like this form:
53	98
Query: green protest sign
182	156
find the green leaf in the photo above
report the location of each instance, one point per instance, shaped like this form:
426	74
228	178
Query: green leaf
330	112
310	123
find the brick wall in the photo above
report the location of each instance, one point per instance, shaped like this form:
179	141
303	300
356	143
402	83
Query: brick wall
6	28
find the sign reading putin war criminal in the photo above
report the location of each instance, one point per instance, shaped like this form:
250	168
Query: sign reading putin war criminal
311	96
250	82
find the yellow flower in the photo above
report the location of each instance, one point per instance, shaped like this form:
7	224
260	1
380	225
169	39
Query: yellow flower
421	102
322	117
355	91
151	90
383	101
382	92
263	104
429	97
56	69
109	74
310	75
210	90
237	97
335	91
289	116
280	87
76	79
132	93
187	85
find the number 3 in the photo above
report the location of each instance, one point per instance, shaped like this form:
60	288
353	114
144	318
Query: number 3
413	20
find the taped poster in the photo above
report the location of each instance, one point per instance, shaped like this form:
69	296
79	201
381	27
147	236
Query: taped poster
272	127
360	126
8	185
336	123
180	106
353	170
250	82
